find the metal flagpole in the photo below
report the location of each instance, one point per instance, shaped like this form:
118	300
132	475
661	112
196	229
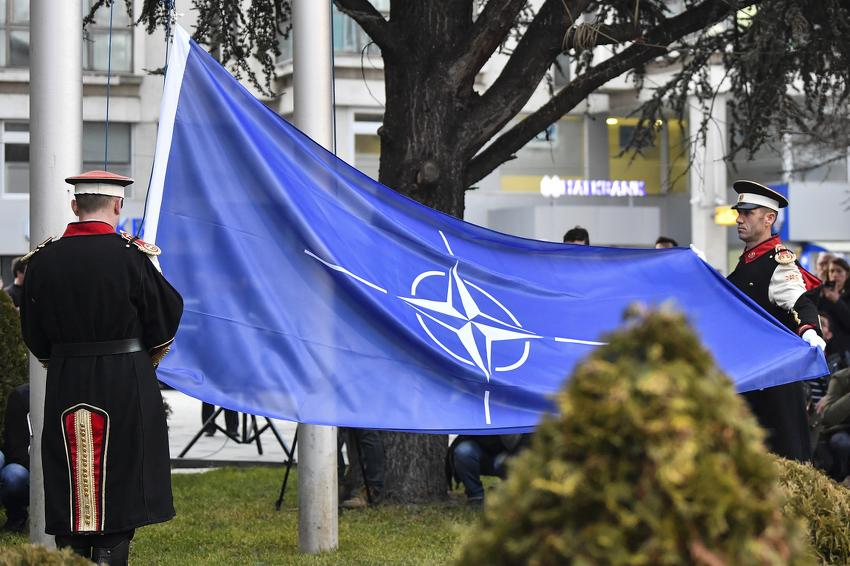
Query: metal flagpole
56	131
313	100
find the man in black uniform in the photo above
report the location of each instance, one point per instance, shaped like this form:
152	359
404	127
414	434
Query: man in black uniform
768	273
100	315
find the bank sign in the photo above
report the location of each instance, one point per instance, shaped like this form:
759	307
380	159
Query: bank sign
554	186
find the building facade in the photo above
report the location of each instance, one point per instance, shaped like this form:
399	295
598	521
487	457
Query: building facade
576	173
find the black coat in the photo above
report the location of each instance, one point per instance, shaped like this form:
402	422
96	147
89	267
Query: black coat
16	429
105	440
780	410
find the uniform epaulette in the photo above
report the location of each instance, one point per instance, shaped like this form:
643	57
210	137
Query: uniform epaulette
784	256
141	245
27	257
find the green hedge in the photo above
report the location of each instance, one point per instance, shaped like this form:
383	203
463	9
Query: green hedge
653	460
14	369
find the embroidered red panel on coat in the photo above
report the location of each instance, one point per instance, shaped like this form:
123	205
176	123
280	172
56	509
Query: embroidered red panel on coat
86	432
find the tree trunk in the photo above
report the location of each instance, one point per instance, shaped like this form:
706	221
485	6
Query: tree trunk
421	157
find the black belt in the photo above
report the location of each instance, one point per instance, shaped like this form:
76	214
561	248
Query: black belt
85	349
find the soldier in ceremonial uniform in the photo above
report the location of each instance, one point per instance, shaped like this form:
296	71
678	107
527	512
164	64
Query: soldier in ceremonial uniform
100	315
768	273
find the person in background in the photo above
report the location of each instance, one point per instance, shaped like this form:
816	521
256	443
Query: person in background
577	235
664	242
822	265
834	301
16	289
231	420
15	459
834	410
471	457
365	449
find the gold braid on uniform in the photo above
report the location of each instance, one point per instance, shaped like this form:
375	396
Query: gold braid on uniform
28	256
159	352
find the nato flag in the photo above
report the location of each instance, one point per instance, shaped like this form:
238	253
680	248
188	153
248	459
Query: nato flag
315	294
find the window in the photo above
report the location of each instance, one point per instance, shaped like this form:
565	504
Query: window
14	33
96	42
348	37
94	135
15	158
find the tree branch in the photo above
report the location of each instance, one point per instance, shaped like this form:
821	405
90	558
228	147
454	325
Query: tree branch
373	23
599	35
487	33
504	147
527	66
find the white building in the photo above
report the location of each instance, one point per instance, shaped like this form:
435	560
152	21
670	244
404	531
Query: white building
584	145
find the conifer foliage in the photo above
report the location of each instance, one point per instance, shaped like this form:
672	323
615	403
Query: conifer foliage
654	459
14	368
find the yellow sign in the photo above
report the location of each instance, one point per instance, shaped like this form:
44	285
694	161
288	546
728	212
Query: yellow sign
725	216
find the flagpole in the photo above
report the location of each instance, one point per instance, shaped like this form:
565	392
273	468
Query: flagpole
56	131
313	100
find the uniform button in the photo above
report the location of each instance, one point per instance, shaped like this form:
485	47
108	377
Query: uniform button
751	284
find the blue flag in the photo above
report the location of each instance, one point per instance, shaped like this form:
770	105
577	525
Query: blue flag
315	294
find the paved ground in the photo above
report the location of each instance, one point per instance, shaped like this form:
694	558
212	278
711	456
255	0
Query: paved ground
185	422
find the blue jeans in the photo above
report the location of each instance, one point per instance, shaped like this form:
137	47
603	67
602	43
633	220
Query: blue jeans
14	489
471	462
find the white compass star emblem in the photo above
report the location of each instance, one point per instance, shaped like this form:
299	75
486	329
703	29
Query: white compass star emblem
467	319
461	315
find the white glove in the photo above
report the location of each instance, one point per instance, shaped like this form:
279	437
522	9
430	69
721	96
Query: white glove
813	339
699	252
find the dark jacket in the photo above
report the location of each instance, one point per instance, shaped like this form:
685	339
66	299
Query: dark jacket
836	404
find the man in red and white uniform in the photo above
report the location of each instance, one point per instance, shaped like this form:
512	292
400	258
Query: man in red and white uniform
768	273
99	314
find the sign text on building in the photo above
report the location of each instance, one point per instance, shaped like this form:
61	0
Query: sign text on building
554	186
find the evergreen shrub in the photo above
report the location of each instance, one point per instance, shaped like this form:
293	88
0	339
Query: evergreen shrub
654	459
36	555
824	504
14	368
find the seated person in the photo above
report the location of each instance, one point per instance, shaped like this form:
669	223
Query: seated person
834	409
471	457
15	460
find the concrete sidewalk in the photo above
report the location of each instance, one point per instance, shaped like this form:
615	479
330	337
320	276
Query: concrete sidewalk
218	450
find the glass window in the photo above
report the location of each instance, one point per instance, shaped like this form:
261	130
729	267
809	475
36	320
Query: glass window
14	33
17	168
120	147
348	37
122	51
20	11
19	49
96	44
14	158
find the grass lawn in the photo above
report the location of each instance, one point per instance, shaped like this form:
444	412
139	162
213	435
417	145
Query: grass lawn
227	516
